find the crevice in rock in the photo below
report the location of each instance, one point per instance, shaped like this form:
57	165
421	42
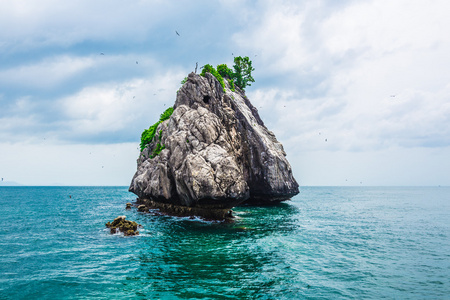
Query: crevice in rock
206	99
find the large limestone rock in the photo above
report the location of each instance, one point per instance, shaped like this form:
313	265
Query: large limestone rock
218	153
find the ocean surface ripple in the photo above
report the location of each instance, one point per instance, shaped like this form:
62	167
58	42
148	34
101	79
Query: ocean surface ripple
327	243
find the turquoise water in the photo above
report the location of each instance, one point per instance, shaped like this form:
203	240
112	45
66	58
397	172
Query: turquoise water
327	243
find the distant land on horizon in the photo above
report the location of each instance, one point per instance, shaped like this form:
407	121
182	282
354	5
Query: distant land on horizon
10	183
13	183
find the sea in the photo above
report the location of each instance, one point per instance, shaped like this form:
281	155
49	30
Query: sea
325	243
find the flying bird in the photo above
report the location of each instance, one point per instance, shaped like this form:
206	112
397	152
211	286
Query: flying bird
177	33
102	53
136	62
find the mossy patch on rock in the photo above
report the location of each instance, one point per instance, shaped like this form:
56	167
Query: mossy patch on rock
148	134
121	224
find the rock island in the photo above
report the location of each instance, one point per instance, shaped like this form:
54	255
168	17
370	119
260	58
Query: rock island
209	153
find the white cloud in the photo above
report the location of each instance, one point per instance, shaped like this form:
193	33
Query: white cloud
119	106
383	167
325	74
28	24
362	54
48	73
44	163
103	109
383	27
278	39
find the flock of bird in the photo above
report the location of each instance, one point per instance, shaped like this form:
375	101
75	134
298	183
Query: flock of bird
176	32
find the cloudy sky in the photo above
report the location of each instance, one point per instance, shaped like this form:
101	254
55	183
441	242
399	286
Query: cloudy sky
358	92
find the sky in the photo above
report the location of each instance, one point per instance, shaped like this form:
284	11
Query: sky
358	92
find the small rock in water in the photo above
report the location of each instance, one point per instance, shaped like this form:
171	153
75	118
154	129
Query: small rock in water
121	224
142	208
128	206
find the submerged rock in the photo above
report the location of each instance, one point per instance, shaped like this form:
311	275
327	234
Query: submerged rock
122	225
207	213
217	153
142	208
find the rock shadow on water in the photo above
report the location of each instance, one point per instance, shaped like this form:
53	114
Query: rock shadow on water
168	209
196	259
235	218
275	218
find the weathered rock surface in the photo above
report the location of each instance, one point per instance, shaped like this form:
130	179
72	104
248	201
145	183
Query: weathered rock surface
122	225
218	153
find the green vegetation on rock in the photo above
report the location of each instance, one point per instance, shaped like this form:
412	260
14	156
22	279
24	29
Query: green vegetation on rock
159	147
157	150
227	73
224	71
148	134
166	114
241	76
210	69
243	72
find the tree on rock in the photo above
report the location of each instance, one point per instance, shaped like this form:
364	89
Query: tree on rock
243	72
242	75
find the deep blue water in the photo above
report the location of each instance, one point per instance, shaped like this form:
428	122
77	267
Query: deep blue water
327	243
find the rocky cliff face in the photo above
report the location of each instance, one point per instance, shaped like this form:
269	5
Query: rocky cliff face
218	153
